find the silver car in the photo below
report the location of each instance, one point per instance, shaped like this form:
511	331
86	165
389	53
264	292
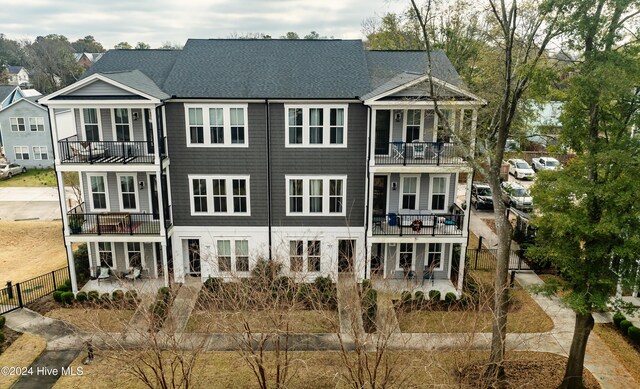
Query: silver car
10	170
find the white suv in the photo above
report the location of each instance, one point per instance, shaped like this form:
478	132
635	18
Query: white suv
520	169
545	163
516	196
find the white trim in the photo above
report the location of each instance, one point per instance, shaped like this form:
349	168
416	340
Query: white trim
405	118
83	130
37	156
442	258
39	121
112	113
22	158
135	191
228	196
326	125
150	194
233	255
414	255
18	102
402	177
325	195
446	192
114	261
17	119
305	255
126	255
106	191
206	124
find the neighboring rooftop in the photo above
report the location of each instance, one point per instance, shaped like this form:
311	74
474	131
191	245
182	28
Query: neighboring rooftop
5	90
14	69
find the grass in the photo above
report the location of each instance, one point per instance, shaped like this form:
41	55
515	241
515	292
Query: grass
20	354
94	319
413	369
621	347
33	177
30	249
299	321
473	241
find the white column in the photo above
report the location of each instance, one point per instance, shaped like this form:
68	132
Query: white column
368	260
72	268
154	126
467	202
165	264
463	256
63	202
155	260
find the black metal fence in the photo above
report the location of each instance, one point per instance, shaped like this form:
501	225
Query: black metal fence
418	153
114	223
398	224
485	259
15	296
75	151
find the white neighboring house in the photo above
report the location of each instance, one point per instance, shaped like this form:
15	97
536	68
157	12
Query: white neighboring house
18	76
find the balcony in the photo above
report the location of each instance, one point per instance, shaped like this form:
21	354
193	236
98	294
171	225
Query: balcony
71	150
113	223
418	153
419	224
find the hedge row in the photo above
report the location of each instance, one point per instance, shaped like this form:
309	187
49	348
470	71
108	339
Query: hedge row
627	328
2	321
419	299
93	297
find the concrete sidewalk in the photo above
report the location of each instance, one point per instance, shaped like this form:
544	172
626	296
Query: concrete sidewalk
30	203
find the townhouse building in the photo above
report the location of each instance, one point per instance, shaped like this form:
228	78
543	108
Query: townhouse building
317	154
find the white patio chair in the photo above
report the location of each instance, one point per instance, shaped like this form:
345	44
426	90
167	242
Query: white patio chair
104	274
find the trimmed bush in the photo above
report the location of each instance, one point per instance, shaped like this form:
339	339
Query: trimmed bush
93	295
370	310
434	295
81	297
67	298
419	297
212	284
105	299
304	294
117	295
2	321
64	288
57	296
366	285
634	334
450	298
1	336
624	326
164	294
617	318
131	295
405	297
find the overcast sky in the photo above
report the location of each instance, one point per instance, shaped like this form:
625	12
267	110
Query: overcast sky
158	21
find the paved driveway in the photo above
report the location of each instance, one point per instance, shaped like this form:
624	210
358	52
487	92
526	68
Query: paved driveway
29	204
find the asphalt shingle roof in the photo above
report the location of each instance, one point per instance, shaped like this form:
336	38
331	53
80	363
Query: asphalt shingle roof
5	90
139	81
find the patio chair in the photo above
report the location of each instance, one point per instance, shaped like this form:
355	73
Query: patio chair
427	275
418	149
135	273
398	150
104	274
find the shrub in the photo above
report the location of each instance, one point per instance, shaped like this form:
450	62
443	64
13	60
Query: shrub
81	297
370	309
304	294
131	295
81	259
366	285
212	284
450	298
57	296
67	298
158	314
117	295
164	294
419	297
634	334
1	336
93	295
617	318
405	297
105	299
434	295
2	321
624	326
64	288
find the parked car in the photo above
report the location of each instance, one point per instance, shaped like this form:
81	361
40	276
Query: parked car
516	196
545	163
481	196
520	169
10	170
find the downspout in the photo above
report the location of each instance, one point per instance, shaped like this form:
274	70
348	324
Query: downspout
367	184
268	142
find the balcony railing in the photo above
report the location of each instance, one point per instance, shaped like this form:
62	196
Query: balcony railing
112	223
417	224
418	153
72	150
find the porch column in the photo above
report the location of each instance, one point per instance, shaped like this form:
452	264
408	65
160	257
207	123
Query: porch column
368	261
463	265
63	202
165	265
155	260
467	202
72	268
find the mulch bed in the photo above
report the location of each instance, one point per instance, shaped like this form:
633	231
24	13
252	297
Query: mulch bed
9	337
43	305
490	223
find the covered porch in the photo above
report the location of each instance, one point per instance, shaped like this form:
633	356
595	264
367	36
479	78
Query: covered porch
395	286
142	286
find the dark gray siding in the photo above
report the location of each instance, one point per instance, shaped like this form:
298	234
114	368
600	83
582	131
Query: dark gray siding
219	160
350	161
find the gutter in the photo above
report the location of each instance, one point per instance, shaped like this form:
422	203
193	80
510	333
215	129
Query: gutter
268	145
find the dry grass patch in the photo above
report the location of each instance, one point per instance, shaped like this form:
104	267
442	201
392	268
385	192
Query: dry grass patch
33	177
491	223
94	319
415	369
473	241
30	249
20	354
299	321
621	347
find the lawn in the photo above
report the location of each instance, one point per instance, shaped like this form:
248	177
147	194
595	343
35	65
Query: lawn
299	321
94	319
20	354
413	369
30	249
621	347
33	177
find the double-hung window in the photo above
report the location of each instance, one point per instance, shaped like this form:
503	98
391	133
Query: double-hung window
434	256
105	254
17	124
134	254
90	119
122	124
438	198
99	195
220	195
224	255
305	256
316	195
296	255
409	193
405	256
128	192
414	117
313	255
22	152
233	256
40	152
226	125
36	124
315	126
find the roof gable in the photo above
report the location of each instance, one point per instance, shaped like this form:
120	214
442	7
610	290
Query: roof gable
21	102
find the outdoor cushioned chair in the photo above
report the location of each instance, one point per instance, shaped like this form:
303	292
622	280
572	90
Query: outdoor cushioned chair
104	274
135	273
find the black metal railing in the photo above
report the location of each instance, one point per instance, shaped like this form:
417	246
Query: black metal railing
485	259
112	223
418	153
72	150
17	295
408	225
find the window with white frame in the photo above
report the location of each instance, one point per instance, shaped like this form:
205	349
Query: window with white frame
233	256
105	254
409	193
220	195
134	255
122	124
227	125
438	188
310	126
90	122
17	124
40	153
98	188
224	255
242	256
405	256
434	256
313	256
128	192
21	152
296	255
414	123
316	195
36	124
